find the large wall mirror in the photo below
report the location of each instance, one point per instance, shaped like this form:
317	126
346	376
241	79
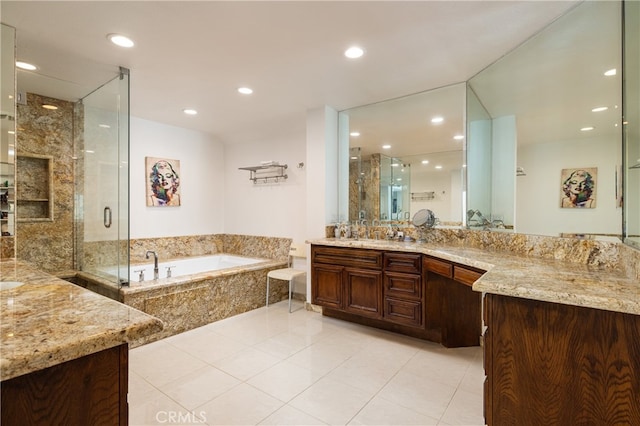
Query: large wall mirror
7	135
544	130
632	123
405	154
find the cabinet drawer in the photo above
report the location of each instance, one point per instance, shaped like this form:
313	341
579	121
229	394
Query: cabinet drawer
405	312
465	276
440	267
359	258
403	286
403	262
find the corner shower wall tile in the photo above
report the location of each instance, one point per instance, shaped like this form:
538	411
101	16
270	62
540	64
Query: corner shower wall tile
48	245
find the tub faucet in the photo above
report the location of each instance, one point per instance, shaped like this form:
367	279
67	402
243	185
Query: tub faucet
156	273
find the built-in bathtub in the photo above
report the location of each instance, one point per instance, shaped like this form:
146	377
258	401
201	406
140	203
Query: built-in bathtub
191	266
201	290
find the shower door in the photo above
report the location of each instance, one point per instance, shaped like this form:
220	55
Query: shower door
102	181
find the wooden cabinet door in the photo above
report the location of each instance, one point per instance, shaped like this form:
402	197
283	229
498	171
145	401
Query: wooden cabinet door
363	292
326	285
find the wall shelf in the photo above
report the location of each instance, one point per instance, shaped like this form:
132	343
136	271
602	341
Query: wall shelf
266	173
35	188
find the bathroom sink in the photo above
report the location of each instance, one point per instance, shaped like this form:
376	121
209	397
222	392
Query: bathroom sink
8	285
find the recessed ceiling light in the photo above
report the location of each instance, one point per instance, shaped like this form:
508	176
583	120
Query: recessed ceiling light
120	40
399	179
245	90
464	165
437	120
458	137
354	134
395	165
48	106
438	167
599	109
190	111
90	151
425	161
610	72
26	66
386	146
11	132
354	158
587	129
104	126
354	52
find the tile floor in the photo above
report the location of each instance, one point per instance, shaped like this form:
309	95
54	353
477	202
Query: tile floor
269	367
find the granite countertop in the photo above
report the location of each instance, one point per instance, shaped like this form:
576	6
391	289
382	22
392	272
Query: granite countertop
525	276
47	321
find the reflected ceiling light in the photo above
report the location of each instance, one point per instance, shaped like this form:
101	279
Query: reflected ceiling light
11	132
399	179
458	137
354	52
438	167
354	134
104	126
395	165
599	109
90	151
354	158
425	161
386	146
245	90
610	72
120	40
437	120
26	66
464	165
48	106
190	111
587	129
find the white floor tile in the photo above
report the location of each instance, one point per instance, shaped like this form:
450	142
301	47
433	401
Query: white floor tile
160	363
242	405
246	363
426	396
289	416
284	380
269	367
331	401
382	412
199	387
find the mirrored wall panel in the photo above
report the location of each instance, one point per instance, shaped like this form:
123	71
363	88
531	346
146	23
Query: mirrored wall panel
405	154
546	119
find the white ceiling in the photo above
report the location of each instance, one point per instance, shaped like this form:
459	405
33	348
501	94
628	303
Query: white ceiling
196	54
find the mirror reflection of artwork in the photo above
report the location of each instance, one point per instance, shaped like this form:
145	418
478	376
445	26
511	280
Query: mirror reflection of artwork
163	182
579	188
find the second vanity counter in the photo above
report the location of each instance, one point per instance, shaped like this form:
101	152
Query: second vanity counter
525	277
48	321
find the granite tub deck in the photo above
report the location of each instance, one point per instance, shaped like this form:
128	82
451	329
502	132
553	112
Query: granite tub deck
603	285
191	301
48	321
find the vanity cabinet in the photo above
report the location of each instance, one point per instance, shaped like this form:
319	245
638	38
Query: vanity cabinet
403	296
556	364
349	280
408	293
453	308
90	390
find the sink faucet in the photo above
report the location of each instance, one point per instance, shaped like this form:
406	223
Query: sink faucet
156	273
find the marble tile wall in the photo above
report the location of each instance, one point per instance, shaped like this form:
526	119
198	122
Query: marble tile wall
48	244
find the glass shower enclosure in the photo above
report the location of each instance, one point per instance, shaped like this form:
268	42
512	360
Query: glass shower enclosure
102	181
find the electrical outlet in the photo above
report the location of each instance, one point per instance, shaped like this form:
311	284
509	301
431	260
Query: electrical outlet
400	234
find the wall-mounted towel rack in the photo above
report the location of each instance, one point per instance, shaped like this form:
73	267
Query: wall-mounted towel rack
266	172
423	196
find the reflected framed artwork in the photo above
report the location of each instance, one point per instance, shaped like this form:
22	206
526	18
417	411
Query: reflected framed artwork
578	188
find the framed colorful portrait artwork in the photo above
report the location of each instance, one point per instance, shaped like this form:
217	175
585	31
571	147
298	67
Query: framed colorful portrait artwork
163	182
578	188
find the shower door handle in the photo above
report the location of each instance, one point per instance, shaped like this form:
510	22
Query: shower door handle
107	217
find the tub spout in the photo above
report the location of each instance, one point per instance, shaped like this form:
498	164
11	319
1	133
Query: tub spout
156	273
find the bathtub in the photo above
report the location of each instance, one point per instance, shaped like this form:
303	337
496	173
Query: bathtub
191	266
